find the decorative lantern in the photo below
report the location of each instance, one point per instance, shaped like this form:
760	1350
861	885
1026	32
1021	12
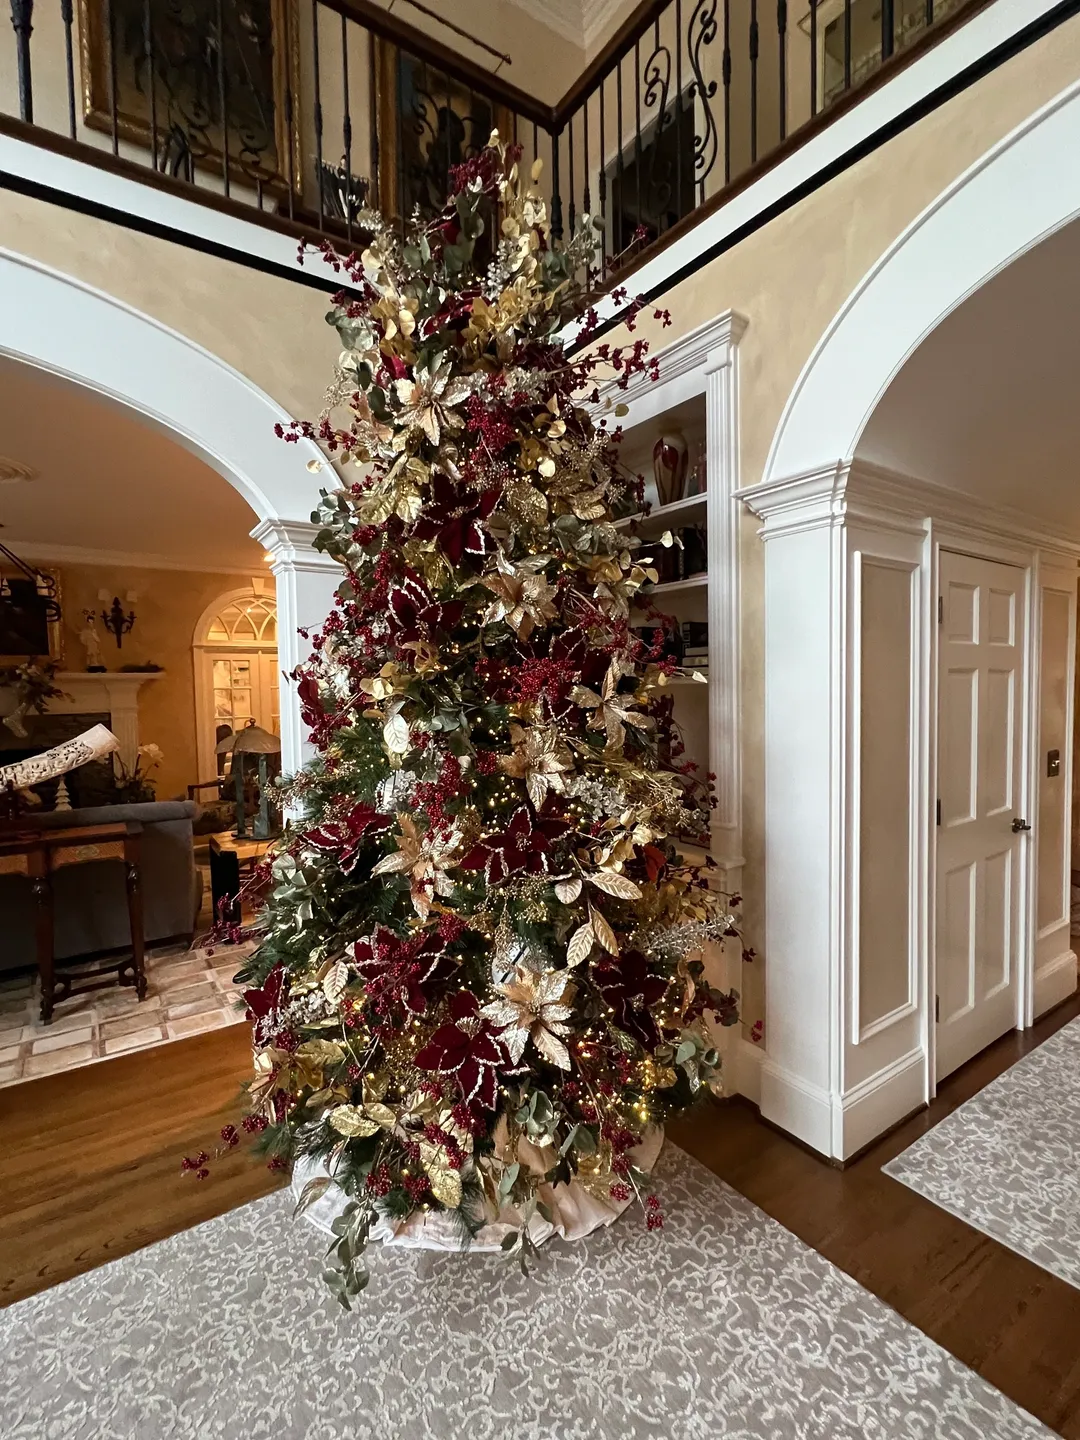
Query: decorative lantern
252	740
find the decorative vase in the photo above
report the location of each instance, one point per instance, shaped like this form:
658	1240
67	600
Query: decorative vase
576	1209
670	455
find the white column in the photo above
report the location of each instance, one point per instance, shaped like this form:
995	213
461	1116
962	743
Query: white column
722	453
306	581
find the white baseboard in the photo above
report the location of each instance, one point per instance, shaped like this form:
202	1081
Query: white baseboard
1054	982
797	1106
882	1101
742	1070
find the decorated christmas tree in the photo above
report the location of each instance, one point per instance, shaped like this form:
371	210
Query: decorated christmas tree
480	984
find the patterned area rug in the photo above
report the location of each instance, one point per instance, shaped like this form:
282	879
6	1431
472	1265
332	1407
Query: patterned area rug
187	992
1008	1161
722	1324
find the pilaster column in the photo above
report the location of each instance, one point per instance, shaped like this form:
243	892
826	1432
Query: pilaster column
306	580
722	460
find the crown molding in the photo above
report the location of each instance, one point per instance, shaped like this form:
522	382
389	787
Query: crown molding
685	365
565	17
857	489
597	16
43	554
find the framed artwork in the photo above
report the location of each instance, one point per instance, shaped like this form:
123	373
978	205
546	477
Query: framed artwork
426	122
177	100
30	627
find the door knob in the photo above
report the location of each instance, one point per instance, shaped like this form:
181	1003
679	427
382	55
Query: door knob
1019	825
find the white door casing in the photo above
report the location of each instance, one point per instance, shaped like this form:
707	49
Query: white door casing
982	863
851	671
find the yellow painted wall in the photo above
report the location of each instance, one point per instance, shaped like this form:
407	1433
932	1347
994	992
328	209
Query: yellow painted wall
168	608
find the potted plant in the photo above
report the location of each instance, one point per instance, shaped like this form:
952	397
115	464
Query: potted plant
26	687
132	783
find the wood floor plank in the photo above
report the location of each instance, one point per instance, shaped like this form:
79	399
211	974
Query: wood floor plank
90	1166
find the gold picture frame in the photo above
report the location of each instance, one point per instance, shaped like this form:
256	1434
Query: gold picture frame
412	101
181	104
49	586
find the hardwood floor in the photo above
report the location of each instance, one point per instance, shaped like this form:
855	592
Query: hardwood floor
91	1171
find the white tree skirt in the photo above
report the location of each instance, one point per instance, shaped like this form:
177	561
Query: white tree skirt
576	1212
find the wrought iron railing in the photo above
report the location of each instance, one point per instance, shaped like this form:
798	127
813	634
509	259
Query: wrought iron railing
310	110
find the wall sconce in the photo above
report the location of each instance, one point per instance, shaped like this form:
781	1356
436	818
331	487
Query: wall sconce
115	621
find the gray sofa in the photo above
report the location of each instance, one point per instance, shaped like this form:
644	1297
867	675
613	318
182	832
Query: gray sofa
90	901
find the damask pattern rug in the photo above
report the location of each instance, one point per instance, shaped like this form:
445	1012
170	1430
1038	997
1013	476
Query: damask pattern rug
1008	1161
723	1324
188	991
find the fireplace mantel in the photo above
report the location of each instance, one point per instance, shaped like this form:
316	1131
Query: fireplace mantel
116	691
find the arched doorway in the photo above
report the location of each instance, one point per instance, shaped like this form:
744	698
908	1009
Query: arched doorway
64	327
859	581
236	672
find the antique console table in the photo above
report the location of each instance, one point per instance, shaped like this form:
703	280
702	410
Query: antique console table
39	854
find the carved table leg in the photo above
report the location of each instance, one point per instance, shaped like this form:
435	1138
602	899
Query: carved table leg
135	915
44	926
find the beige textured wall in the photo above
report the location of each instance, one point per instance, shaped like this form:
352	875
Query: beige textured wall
789	280
168	608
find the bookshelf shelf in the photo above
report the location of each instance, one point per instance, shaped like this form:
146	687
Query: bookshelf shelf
674	587
686	511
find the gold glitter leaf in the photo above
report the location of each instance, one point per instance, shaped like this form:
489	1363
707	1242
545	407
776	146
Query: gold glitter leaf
581	943
568	890
351	1121
603	932
335	980
445	1181
617	885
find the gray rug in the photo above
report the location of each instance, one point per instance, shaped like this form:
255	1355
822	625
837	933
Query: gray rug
1008	1161
722	1324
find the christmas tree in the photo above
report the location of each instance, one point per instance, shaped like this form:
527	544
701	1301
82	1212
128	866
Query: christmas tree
480	973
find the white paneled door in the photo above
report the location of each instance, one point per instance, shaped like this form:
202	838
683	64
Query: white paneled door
982	830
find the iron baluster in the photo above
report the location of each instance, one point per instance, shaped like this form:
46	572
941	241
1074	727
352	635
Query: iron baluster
619	208
847	44
601	185
887	29
290	124
781	39
725	71
929	13
556	198
657	89
587	193
148	51
703	29
110	32
637	136
572	211
223	97
399	125
318	111
67	15
346	127
813	57
678	109
753	79
22	14
373	123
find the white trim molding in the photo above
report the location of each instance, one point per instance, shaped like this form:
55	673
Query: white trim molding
115	692
306	582
721	371
850	835
1021	191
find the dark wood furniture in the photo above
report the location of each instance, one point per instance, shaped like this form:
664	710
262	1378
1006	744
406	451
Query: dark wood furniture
39	854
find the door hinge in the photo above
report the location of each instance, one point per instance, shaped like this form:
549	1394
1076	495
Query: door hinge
937	1009
939	812
941	609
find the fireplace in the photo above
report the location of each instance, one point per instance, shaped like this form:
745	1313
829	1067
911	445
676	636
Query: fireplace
88	785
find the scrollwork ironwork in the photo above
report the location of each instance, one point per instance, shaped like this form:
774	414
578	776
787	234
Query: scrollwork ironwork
702	32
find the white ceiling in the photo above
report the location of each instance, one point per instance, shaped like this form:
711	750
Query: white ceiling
106	482
990	402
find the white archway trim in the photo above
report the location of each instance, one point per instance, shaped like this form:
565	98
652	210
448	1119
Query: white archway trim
61	325
1020	192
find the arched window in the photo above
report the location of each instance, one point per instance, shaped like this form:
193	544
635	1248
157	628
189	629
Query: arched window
236	671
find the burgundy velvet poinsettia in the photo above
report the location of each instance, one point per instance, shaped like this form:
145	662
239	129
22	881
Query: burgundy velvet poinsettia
345	838
523	848
264	1004
626	984
465	1048
415	613
454	517
402	974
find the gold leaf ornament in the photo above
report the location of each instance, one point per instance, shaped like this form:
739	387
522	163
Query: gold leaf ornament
580	946
603	931
618	885
335	980
444	1180
350	1120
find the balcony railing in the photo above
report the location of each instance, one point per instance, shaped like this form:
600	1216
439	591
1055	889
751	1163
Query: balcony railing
309	110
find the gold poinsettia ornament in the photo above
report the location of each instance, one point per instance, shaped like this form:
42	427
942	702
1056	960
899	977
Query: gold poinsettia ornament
426	858
611	711
523	597
534	1005
541	758
428	400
